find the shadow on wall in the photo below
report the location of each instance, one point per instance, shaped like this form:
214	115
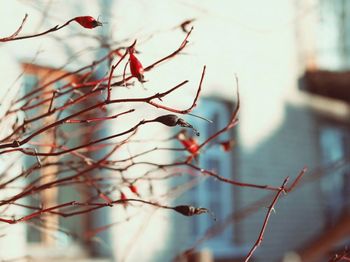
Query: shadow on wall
301	216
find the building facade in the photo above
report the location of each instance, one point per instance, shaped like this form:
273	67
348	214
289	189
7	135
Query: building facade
280	51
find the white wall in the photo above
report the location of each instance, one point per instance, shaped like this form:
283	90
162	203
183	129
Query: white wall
13	237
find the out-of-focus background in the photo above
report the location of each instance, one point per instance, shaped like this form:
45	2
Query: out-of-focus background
292	60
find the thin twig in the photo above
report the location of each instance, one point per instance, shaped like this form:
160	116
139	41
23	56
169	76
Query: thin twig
11	37
266	220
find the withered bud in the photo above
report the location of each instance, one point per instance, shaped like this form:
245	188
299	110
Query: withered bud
168	120
190	210
173	120
185	24
183	123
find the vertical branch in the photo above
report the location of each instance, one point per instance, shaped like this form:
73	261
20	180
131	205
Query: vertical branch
111	76
8	38
51	101
266	220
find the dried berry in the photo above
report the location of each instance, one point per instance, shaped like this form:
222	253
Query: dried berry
173	120
227	145
123	198
190	210
87	21
183	123
168	120
191	145
133	189
136	67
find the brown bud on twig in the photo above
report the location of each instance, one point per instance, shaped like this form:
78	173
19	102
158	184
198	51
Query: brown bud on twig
173	120
168	120
191	210
185	24
183	123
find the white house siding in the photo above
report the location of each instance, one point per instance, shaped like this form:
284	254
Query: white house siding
299	214
11	235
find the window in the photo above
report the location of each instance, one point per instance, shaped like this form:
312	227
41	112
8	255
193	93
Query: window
211	193
335	145
47	231
333	43
331	75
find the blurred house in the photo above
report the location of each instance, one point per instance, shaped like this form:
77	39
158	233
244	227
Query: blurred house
292	61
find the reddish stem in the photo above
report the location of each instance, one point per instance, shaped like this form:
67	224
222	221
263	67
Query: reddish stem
266	220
